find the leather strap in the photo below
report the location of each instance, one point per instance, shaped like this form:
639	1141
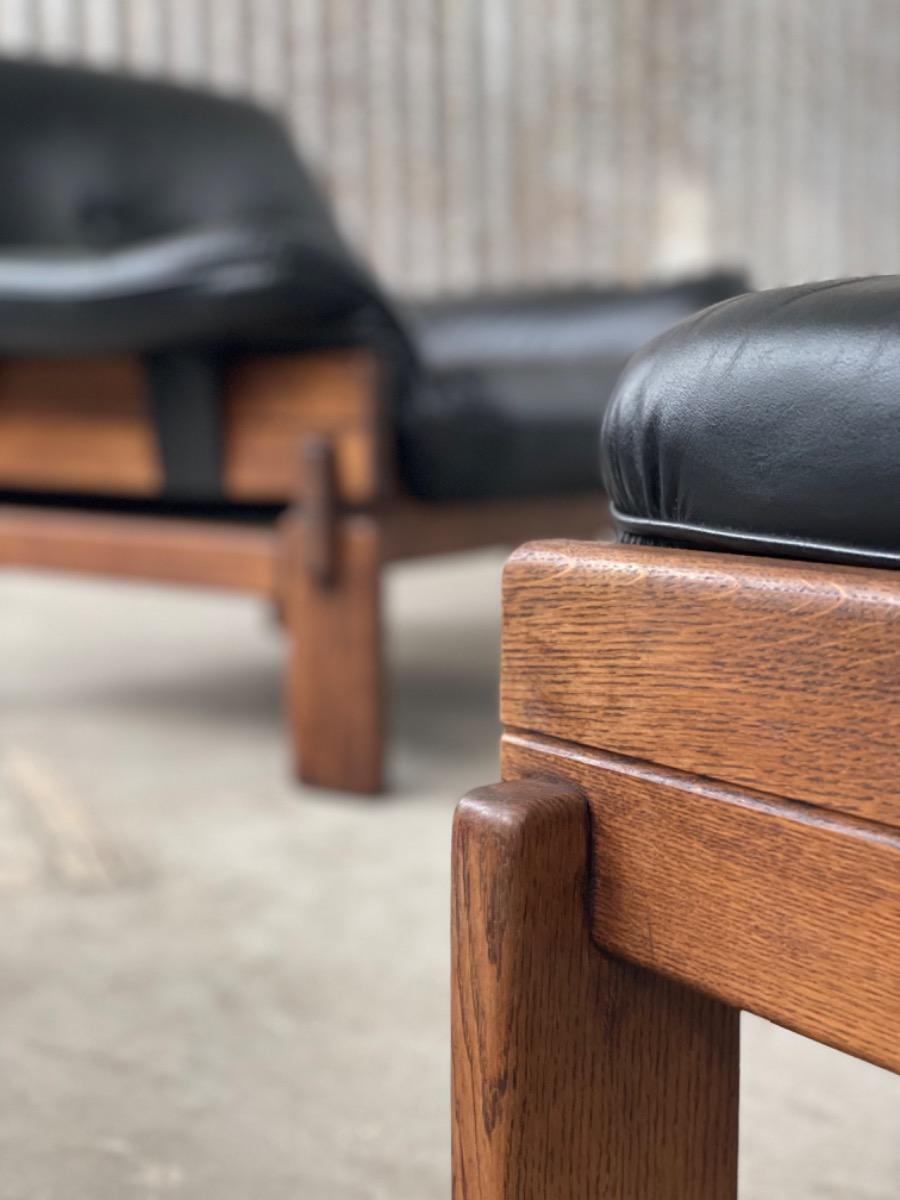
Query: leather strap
185	400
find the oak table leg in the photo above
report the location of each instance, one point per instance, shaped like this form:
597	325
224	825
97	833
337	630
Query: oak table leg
575	1076
335	677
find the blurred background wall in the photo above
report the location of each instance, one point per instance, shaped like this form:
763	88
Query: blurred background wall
488	142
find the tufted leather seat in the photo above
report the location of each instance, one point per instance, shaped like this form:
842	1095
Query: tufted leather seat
153	219
770	423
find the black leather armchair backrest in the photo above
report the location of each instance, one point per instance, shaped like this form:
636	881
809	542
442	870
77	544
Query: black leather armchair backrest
142	215
176	224
98	160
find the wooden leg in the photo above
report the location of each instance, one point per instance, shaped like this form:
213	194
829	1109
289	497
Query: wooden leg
335	677
575	1076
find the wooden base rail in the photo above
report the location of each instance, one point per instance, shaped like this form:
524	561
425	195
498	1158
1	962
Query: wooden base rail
215	554
320	563
240	556
775	907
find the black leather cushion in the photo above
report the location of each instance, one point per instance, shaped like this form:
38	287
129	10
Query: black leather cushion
769	424
507	401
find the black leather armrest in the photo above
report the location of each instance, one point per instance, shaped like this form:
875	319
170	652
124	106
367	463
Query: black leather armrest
191	287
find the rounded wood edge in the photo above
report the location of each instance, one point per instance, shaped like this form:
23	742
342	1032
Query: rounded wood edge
544	559
525	811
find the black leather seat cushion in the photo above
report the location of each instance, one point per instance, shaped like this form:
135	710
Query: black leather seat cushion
147	218
507	399
768	424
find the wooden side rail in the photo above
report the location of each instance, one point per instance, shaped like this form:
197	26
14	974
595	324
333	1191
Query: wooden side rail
735	726
780	676
84	425
772	906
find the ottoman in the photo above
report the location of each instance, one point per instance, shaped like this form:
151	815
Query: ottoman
700	806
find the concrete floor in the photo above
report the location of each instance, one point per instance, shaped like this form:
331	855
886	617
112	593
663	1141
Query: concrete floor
214	985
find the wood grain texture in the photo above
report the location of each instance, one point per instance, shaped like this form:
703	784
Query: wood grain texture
575	1076
782	676
72	425
771	906
215	554
272	402
335	688
84	425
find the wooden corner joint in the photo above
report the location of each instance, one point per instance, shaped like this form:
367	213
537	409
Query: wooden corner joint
574	1074
532	812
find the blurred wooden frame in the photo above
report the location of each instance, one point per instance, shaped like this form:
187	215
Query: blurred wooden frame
700	814
309	431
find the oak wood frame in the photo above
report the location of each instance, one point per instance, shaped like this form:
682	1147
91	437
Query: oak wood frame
701	793
311	431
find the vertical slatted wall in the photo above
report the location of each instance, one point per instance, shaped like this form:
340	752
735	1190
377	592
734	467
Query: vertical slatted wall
487	142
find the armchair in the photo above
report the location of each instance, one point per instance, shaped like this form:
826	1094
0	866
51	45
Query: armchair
201	383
